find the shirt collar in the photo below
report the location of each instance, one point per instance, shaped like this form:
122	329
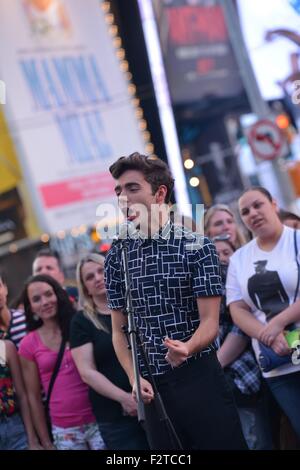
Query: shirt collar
168	231
164	233
161	236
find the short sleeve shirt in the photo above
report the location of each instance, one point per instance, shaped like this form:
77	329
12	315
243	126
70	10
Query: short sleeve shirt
83	331
167	273
266	281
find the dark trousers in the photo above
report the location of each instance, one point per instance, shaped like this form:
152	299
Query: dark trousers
286	391
200	406
123	434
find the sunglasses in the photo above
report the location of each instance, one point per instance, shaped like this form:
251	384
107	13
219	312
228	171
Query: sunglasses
221	238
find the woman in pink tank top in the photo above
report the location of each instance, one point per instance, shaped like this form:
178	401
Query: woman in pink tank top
48	313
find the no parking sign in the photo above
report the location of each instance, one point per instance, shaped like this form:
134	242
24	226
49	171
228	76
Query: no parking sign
266	140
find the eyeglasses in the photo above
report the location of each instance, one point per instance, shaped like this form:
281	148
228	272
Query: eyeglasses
221	238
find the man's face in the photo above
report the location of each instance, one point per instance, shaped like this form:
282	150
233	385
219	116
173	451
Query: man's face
136	197
3	294
260	268
48	265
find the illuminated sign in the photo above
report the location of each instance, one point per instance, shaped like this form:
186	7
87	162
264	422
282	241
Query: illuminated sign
68	105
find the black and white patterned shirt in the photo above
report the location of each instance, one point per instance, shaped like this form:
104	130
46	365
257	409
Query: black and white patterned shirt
167	274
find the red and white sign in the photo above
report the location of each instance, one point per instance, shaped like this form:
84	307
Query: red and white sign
266	140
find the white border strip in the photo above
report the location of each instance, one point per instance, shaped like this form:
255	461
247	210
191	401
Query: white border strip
164	105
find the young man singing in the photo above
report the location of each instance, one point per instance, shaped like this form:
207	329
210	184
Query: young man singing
175	287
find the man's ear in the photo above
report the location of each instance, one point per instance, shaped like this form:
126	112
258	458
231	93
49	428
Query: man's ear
62	278
276	206
161	194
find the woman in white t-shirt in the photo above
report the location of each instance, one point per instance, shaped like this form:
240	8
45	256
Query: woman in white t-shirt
262	292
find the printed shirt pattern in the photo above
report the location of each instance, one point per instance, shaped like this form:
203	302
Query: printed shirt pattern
167	274
8	397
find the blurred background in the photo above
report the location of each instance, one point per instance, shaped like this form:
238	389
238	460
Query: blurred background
210	86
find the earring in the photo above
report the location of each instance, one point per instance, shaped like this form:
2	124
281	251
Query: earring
35	317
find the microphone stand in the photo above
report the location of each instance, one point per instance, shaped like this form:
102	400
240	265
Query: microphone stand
132	332
133	343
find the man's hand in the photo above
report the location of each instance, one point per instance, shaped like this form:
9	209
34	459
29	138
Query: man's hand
177	352
146	391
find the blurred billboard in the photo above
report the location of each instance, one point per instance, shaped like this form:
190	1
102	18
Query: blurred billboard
67	105
198	57
272	33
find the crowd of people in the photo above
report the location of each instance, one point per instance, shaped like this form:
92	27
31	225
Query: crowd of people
218	317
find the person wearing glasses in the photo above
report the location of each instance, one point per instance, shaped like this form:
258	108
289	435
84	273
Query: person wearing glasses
220	220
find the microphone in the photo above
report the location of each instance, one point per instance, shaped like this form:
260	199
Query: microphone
126	229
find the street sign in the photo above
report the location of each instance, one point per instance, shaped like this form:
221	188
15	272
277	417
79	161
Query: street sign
266	140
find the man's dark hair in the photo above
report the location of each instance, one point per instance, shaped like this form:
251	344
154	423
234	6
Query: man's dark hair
46	252
65	309
155	171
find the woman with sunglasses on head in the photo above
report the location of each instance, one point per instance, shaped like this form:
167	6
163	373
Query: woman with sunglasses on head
240	367
48	313
225	248
94	355
263	295
220	220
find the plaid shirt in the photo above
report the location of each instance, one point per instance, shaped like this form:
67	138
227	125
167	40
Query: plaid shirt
245	370
167	272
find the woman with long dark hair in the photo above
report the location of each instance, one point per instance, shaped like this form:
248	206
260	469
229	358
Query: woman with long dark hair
49	312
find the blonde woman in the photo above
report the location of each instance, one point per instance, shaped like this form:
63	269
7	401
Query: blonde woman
95	358
220	220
